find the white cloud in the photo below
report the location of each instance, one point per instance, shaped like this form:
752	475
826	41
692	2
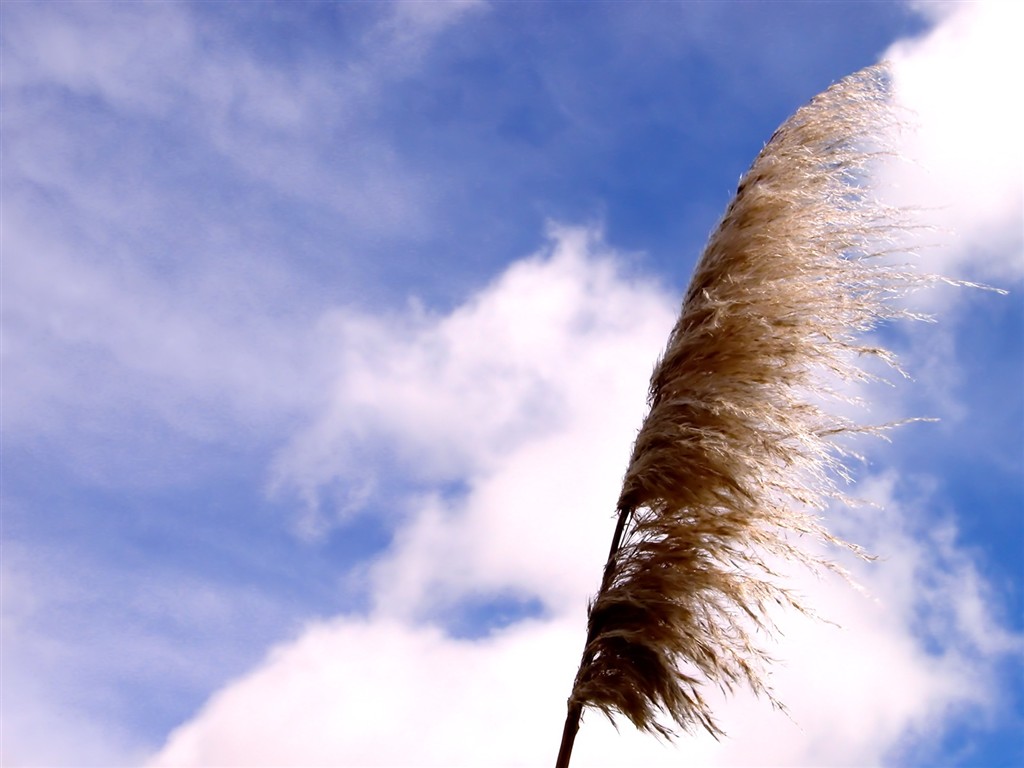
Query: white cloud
392	689
382	693
29	730
32	710
541	353
134	314
131	57
100	352
408	28
961	84
81	636
379	692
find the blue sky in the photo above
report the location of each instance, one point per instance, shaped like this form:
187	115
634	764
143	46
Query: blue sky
326	331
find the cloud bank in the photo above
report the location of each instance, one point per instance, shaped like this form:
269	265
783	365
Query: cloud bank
559	344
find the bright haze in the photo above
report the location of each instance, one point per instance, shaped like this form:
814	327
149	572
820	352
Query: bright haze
326	334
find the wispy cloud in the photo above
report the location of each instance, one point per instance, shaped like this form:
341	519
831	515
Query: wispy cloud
135	242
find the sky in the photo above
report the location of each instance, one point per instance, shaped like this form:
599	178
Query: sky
326	331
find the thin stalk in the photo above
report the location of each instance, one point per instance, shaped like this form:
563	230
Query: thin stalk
572	718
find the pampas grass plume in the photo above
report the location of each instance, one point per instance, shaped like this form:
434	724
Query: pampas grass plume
739	451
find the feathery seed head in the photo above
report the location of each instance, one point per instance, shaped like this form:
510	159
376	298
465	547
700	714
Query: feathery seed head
738	450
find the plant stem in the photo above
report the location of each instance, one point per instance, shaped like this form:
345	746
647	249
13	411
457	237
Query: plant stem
572	725
572	718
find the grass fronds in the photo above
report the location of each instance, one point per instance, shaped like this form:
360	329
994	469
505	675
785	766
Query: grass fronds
741	449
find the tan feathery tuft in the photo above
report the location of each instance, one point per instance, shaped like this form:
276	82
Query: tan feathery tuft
739	451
